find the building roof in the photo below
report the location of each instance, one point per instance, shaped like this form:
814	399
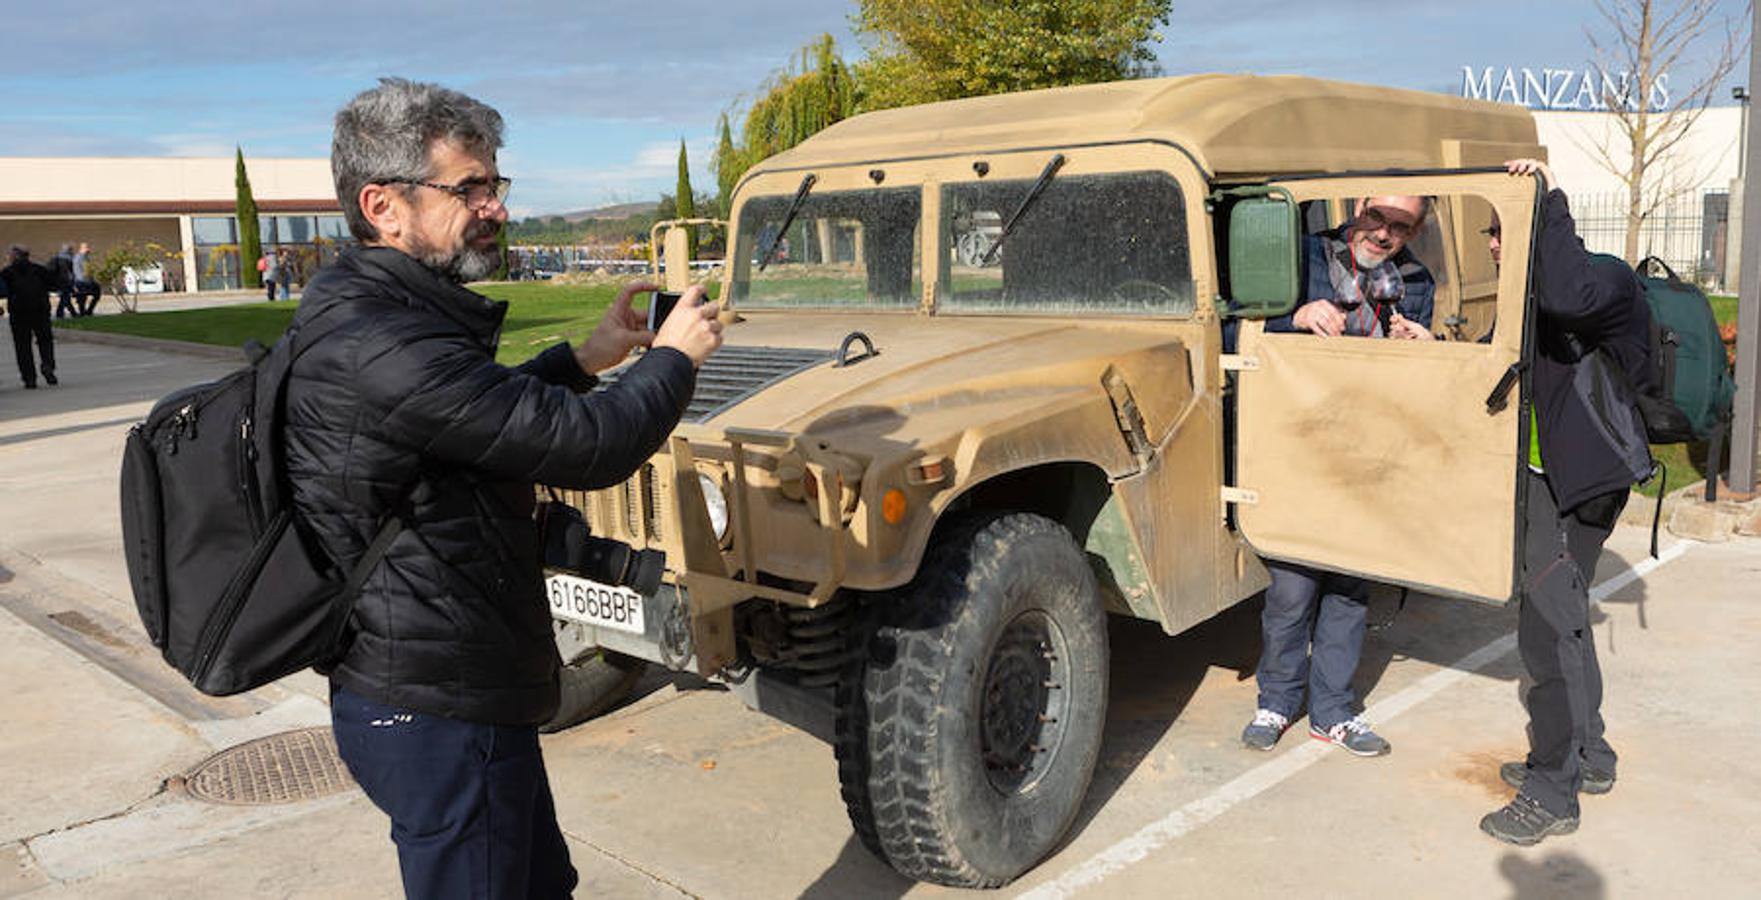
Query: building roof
170	185
1232	124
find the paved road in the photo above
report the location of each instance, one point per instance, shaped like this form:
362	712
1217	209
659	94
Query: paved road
685	793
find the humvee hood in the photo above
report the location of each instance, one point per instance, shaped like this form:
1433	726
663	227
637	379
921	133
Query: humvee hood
928	375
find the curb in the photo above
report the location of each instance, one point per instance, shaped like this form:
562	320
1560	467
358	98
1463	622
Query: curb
1686	514
188	348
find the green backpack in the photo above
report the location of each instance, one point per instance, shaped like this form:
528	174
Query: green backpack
1696	392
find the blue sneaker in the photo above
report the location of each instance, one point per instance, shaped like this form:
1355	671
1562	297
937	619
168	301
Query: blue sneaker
1265	730
1354	735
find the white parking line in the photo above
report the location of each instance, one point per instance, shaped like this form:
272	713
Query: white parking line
1251	783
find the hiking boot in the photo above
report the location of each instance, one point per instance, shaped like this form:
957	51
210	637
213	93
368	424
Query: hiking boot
1595	781
1265	730
1524	822
1354	735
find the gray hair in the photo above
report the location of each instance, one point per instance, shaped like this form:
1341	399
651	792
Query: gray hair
385	133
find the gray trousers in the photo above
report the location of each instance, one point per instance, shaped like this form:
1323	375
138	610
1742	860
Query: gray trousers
1553	636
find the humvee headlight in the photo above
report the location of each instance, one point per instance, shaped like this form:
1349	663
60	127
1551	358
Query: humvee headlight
716	503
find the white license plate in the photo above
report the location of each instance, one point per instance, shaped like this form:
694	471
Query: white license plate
592	603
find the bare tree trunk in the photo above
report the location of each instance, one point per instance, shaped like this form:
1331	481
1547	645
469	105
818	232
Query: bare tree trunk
1635	205
1641	136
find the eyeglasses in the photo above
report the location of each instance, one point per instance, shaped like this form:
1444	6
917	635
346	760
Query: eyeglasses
475	192
1493	232
1372	220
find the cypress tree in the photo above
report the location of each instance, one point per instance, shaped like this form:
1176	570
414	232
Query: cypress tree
250	241
684	202
727	169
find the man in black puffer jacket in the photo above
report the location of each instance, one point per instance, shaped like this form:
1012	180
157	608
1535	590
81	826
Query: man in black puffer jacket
1582	465
397	408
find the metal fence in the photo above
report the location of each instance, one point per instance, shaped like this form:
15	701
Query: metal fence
1687	231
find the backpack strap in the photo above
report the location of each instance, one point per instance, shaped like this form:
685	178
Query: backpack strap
1657	511
388	532
393	524
1649	261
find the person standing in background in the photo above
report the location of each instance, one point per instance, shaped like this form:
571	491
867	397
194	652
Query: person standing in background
270	266
27	287
61	275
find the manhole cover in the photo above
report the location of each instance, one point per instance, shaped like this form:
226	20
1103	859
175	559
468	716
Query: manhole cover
281	768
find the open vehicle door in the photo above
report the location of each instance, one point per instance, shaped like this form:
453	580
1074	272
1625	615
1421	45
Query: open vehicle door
1394	459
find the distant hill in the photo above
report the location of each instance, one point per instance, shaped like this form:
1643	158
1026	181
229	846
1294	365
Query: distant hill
615	211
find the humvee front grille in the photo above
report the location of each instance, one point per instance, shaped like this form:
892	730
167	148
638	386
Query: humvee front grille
735	373
638	510
653	501
635	512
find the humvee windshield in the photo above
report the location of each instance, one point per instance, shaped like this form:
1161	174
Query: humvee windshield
1109	243
1087	243
843	248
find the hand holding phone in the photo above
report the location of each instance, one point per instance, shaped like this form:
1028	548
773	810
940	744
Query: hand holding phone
660	305
619	331
690	326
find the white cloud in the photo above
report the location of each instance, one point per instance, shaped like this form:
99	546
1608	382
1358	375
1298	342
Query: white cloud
192	145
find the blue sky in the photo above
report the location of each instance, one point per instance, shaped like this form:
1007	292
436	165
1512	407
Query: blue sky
597	95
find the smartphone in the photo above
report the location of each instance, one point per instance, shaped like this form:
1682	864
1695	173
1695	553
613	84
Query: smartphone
660	306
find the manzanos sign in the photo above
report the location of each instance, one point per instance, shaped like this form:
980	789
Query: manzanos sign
1586	90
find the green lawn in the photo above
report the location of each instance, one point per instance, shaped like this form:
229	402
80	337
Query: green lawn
539	314
1725	308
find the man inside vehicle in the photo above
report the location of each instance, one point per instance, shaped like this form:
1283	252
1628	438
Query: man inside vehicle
1362	281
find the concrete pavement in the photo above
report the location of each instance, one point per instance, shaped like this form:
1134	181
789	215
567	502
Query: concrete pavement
685	793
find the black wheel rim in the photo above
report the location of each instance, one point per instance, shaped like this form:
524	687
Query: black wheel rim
1023	715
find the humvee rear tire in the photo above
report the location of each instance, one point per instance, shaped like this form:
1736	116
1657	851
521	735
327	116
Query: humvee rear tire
593	684
968	731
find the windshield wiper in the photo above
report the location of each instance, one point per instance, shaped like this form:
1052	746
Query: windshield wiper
788	218
1039	187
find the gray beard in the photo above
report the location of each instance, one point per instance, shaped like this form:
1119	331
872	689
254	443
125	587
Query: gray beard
1367	256
465	264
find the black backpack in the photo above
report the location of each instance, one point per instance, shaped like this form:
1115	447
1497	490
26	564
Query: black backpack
227	585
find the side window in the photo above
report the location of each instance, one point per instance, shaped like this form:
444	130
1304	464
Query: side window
1448	248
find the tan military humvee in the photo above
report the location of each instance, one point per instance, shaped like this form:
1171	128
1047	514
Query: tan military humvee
997	367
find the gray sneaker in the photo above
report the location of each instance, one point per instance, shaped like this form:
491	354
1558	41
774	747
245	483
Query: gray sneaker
1354	735
1265	730
1595	781
1525	822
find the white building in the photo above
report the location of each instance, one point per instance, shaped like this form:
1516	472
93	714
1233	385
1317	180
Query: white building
184	205
1691	185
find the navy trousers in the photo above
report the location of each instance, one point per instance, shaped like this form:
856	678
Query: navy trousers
1313	628
470	805
1566	729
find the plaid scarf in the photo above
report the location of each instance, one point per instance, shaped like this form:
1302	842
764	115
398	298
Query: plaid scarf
1359	292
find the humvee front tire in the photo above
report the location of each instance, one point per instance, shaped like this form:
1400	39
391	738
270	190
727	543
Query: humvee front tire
593	680
968	731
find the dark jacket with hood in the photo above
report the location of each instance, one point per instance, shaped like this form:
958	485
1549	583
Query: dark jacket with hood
1583	306
397	407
